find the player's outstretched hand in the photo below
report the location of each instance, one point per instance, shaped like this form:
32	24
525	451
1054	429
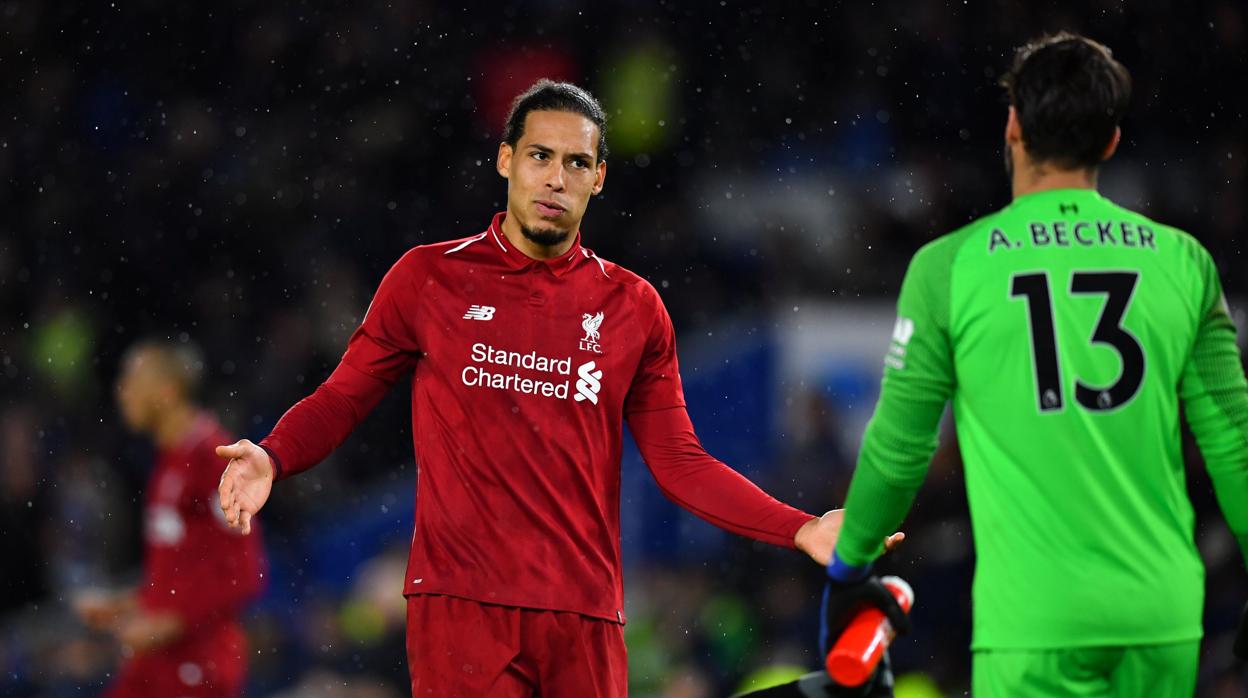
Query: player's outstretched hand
245	484
817	537
100	609
144	631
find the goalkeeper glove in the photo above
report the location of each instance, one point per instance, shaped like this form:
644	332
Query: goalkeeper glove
848	591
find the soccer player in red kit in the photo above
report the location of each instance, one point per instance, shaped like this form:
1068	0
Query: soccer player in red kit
527	351
179	630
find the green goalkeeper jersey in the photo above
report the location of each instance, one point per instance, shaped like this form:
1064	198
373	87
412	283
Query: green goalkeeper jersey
1068	332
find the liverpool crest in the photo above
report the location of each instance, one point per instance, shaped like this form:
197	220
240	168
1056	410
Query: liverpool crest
591	325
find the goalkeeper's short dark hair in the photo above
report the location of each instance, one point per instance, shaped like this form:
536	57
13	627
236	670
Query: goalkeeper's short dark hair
1070	94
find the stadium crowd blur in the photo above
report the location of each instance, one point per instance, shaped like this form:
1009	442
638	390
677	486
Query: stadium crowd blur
242	174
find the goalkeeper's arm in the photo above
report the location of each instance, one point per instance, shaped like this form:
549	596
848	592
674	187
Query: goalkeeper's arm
1215	399
902	434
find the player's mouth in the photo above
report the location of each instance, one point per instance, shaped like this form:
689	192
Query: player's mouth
549	209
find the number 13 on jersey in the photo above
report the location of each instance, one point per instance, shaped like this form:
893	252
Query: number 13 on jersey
1118	288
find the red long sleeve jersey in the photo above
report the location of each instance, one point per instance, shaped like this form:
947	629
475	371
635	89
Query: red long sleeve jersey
194	564
522	373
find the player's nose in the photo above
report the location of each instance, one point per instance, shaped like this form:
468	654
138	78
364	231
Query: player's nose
554	181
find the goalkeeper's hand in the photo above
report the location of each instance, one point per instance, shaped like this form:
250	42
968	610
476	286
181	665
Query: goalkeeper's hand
1240	648
849	591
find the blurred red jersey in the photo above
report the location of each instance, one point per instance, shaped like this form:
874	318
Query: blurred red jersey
523	372
197	567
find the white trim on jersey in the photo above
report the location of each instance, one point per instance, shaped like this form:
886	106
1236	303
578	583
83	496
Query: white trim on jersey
496	239
591	255
465	243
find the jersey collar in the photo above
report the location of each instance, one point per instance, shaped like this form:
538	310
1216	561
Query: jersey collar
1046	194
203	426
515	259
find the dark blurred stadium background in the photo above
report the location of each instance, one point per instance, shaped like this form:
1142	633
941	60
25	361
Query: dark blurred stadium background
242	174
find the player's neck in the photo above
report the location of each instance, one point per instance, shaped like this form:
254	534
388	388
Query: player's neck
1030	179
511	231
174	424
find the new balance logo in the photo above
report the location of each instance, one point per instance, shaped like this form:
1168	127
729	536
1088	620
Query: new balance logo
588	383
479	312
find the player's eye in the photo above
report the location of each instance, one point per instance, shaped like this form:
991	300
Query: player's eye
580	163
539	155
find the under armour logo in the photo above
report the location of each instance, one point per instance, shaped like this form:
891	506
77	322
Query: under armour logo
479	312
1068	208
589	383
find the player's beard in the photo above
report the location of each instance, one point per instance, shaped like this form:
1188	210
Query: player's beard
545	238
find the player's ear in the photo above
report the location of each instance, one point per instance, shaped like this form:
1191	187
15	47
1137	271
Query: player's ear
1013	129
600	177
503	164
1113	145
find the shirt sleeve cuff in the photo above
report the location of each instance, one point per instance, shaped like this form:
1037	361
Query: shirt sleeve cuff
788	531
277	462
840	571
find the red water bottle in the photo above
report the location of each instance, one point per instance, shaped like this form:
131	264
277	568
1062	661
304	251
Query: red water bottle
858	650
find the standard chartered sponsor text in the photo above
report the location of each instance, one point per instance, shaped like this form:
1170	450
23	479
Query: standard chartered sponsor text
487	377
486	354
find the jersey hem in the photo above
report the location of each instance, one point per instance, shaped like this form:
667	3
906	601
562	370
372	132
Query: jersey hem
1088	641
616	617
643	410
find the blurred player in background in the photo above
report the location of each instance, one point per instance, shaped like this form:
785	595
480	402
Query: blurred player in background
526	351
179	630
1068	333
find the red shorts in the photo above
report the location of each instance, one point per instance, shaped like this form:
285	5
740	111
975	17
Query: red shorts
457	647
208	664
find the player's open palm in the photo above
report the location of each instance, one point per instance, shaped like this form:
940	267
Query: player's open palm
245	484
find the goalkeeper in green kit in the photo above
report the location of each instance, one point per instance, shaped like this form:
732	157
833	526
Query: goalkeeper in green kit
1068	332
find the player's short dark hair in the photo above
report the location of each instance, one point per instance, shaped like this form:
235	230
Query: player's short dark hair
547	95
1070	94
181	361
